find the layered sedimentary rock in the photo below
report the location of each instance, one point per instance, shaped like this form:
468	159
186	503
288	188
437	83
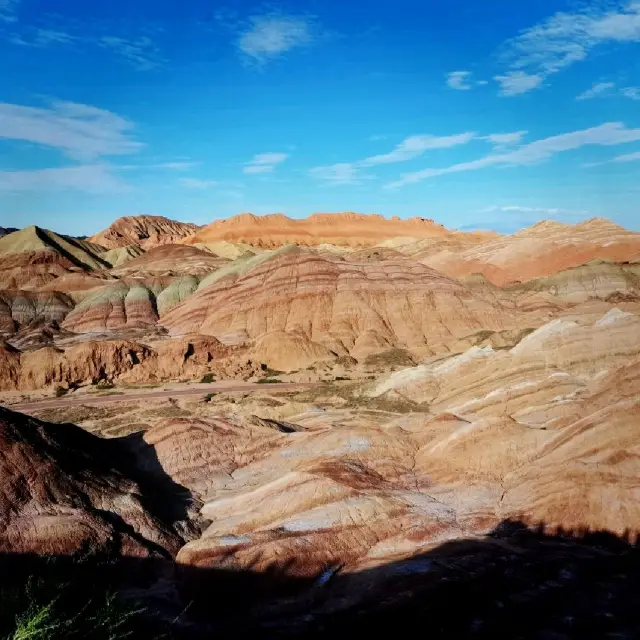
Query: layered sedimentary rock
145	231
83	363
34	258
189	358
23	307
113	307
332	302
541	250
65	491
171	259
121	255
180	289
291	351
343	229
93	361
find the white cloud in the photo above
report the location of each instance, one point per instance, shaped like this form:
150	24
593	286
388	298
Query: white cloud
515	83
265	162
78	130
543	210
270	36
567	38
42	38
338	174
631	92
141	52
629	157
196	183
8	10
95	178
409	148
596	90
505	139
177	166
415	146
171	166
459	80
608	134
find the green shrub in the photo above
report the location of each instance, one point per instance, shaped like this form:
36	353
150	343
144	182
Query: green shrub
61	391
43	608
208	378
104	384
209	397
269	381
340	378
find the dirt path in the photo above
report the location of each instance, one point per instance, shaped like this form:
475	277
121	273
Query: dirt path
95	400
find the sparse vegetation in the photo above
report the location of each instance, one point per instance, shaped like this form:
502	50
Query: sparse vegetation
208	378
45	608
104	385
269	381
390	358
209	397
61	391
270	372
341	378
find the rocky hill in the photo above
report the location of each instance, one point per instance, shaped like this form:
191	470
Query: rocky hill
145	231
341	229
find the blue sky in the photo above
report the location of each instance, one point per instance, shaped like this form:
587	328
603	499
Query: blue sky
478	114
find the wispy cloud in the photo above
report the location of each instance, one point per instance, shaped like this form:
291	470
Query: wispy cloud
78	130
412	147
265	162
415	146
462	80
597	89
140	52
196	183
459	80
42	38
270	36
515	83
629	157
339	174
95	178
9	10
608	134
631	92
564	39
542	210
170	166
506	139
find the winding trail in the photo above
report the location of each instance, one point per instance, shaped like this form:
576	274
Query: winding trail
97	399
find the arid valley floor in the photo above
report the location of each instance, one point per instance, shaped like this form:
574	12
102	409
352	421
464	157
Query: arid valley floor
335	425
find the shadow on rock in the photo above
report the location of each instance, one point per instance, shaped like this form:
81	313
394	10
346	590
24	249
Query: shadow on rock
516	582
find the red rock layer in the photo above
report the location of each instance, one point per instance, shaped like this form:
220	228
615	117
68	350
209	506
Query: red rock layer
337	303
346	229
542	250
146	231
64	491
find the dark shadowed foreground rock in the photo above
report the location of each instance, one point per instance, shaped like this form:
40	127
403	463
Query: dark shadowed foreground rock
65	491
